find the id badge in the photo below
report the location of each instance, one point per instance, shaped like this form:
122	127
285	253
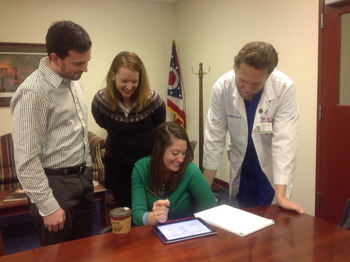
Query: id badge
264	128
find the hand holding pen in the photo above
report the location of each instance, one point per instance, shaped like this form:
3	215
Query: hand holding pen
160	209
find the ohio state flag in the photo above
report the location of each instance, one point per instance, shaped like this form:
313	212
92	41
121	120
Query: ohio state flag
176	95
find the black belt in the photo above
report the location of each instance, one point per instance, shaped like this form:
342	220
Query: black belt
65	170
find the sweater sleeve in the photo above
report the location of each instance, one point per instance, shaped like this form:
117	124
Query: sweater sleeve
159	115
139	180
96	108
200	190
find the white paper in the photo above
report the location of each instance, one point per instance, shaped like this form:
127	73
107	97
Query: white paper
234	220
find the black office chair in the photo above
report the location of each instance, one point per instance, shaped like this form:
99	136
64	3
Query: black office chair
193	144
345	221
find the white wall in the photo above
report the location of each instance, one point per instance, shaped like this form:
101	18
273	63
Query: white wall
206	31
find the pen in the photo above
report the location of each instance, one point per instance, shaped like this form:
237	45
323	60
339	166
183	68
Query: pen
152	193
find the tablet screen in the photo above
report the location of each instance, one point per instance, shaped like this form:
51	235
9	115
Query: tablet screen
182	230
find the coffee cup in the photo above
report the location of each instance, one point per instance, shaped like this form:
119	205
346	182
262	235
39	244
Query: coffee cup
121	223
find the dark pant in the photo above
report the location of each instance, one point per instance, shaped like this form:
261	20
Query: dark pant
75	195
118	180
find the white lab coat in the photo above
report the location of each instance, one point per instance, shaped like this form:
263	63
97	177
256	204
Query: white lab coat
276	152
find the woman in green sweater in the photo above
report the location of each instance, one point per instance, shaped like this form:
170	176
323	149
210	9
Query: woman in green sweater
167	185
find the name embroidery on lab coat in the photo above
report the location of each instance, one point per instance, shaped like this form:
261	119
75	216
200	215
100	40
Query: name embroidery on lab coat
238	117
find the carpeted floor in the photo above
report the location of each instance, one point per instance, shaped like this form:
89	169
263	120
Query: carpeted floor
19	232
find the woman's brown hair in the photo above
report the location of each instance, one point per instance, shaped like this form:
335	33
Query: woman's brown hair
132	62
162	137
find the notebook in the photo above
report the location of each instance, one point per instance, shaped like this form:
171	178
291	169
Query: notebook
234	220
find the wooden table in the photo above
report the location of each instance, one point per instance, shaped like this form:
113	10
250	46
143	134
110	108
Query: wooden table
294	237
21	207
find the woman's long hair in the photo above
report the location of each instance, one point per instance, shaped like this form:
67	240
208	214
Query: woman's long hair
162	137
132	62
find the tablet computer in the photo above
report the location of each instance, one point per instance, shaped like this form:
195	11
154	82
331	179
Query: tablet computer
182	230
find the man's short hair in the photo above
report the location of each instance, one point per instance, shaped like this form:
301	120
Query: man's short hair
63	36
259	55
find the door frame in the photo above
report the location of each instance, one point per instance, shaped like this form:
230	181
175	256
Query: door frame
320	102
319	105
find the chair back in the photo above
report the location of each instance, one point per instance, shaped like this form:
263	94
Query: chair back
8	176
193	144
345	221
96	145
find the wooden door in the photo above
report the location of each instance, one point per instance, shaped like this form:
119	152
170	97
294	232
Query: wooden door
333	126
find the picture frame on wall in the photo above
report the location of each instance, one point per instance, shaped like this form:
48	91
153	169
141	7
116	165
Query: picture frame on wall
17	62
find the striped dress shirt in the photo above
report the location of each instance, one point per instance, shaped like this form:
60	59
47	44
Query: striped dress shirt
49	130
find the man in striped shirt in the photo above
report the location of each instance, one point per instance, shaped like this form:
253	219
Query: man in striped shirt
50	137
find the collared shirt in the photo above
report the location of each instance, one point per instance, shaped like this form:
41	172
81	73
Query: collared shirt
49	131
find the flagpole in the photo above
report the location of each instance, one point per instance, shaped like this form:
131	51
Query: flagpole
201	125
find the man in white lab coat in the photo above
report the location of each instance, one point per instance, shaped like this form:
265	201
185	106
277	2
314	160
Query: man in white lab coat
257	105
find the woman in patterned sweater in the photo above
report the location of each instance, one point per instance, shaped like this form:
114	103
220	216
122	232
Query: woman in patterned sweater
129	110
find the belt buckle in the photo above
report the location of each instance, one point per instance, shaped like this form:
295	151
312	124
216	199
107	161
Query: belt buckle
81	169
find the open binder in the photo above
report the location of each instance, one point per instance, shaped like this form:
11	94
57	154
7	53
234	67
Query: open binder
234	220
